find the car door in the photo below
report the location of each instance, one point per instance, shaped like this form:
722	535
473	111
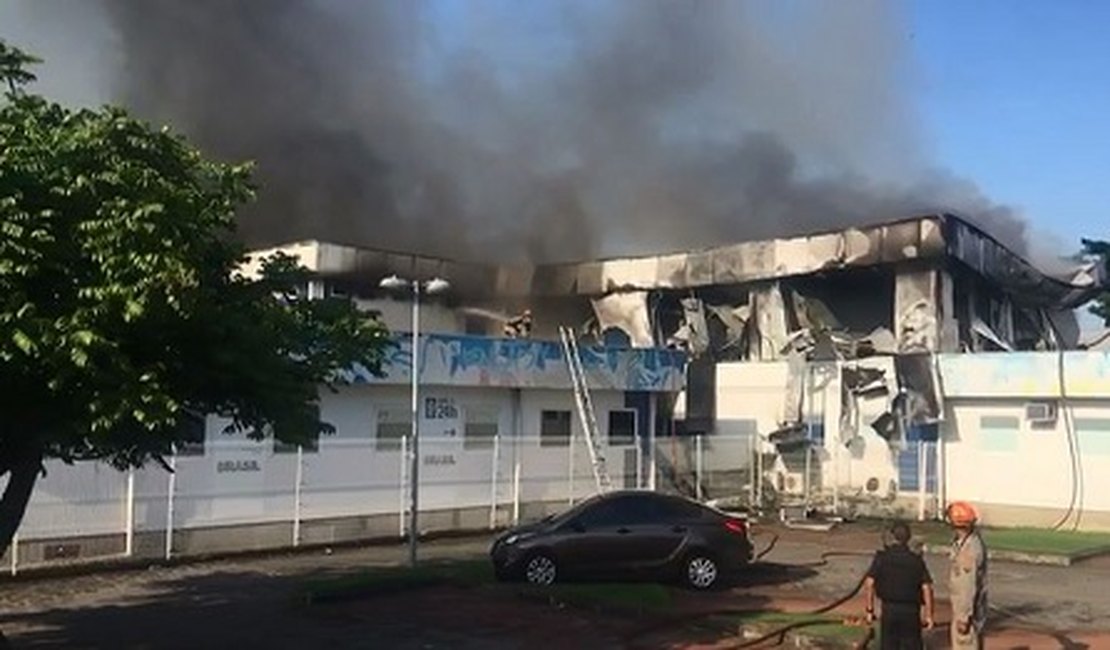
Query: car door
674	526
587	543
644	537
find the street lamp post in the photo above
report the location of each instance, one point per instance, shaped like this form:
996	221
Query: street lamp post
433	286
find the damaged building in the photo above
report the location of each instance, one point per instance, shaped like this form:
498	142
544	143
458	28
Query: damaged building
915	286
785	339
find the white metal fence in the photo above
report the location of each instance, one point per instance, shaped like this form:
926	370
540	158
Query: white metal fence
236	483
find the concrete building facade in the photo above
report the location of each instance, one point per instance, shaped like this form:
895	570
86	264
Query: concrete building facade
891	367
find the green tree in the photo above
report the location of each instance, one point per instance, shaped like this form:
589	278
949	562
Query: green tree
1100	249
122	303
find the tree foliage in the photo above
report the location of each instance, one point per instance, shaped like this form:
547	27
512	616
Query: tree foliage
122	307
1101	250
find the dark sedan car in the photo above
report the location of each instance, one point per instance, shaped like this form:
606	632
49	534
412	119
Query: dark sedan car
626	535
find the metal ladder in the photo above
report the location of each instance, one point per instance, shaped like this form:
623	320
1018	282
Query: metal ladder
585	409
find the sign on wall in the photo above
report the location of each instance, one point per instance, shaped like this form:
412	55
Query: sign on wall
441	431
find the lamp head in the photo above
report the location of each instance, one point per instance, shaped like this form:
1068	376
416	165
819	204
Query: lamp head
393	282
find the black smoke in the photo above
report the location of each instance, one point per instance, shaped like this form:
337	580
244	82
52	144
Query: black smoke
543	130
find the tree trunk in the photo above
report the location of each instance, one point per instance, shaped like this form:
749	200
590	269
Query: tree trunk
22	474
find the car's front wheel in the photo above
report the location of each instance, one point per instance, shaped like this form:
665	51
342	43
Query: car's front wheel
540	569
701	571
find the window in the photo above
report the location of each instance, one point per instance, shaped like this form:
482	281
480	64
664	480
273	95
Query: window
815	431
999	433
190	433
622	428
620	511
480	426
1094	436
555	428
677	509
394	425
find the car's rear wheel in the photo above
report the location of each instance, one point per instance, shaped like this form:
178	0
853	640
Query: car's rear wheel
540	569
701	571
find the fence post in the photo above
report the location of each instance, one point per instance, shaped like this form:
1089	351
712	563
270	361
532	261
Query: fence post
941	480
15	553
516	492
751	469
171	488
759	471
639	460
129	539
698	466
404	482
570	467
921	478
652	415
493	481
298	479
836	473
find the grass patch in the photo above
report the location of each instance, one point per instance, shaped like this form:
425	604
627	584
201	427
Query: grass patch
617	596
833	629
829	632
1036	541
392	579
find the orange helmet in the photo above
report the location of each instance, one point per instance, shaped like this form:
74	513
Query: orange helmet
962	514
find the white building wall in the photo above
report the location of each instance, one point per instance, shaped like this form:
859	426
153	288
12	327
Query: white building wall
995	456
241	481
1021	473
1018	471
755	393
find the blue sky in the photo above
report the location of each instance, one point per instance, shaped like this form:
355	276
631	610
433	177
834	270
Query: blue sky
1016	95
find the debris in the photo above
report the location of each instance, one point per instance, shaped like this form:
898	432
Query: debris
984	330
697	330
627	312
917	377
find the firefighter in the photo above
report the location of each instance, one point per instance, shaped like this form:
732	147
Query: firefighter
519	327
902	581
967	578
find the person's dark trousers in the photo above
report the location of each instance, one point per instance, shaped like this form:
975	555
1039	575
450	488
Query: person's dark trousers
900	627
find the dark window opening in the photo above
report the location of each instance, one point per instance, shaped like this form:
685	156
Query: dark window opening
555	428
622	428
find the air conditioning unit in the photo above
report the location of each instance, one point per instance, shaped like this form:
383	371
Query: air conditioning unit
1041	412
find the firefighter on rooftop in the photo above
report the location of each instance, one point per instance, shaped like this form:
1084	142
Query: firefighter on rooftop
519	327
967	578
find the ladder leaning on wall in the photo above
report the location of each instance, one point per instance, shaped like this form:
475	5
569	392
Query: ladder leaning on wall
585	409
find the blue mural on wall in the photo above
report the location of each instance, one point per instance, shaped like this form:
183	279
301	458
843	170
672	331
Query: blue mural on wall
458	360
1085	374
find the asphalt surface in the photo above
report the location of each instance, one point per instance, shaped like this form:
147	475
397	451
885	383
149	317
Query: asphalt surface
228	603
1075	598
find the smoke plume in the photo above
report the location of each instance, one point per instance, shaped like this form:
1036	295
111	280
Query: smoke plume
541	130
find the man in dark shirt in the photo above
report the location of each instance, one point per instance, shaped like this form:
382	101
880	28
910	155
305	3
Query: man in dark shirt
902	581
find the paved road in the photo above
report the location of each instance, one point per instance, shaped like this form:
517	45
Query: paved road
230	600
1058	598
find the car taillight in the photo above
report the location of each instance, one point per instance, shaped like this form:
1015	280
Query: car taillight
737	526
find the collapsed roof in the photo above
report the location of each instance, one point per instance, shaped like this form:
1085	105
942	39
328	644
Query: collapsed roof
936	239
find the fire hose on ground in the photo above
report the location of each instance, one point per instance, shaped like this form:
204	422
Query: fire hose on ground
780	633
